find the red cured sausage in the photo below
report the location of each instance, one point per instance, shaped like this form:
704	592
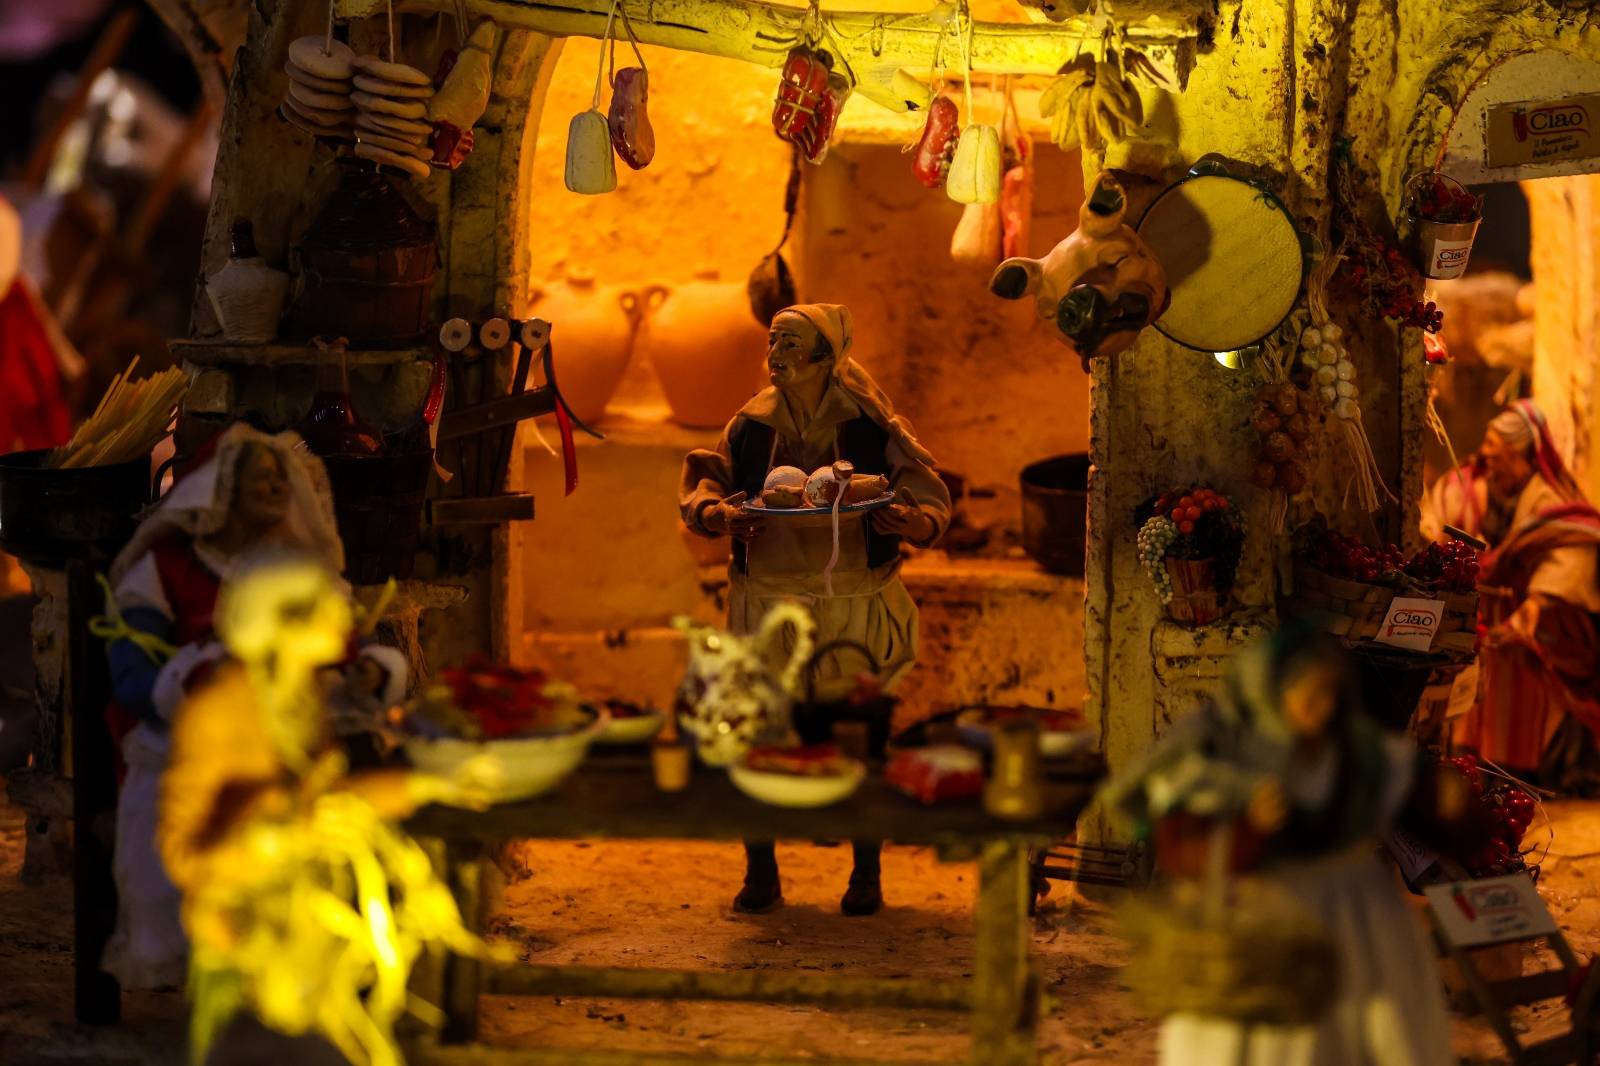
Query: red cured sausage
938	142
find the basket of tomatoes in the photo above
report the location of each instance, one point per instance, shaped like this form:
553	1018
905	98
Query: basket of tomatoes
1346	586
1190	541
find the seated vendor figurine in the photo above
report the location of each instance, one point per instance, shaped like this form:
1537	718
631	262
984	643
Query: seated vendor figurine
822	409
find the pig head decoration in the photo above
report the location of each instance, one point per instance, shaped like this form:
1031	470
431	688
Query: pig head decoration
1099	287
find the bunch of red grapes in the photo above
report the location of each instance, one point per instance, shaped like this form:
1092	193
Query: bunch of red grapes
1452	566
1508	811
1346	557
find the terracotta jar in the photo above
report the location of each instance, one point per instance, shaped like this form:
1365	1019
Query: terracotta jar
593	332
707	349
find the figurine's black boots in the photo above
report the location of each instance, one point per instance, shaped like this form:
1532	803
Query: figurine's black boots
762	891
864	896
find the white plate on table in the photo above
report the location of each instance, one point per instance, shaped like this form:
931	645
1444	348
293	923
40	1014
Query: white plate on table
525	767
803	791
632	729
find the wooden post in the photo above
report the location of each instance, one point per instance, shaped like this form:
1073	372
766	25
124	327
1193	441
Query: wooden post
463	977
97	999
1006	996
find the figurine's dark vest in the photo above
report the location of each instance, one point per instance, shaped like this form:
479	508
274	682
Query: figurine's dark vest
862	442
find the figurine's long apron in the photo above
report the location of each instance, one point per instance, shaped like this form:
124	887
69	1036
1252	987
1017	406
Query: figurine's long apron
871	606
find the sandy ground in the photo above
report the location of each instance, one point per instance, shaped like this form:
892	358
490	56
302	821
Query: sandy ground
666	904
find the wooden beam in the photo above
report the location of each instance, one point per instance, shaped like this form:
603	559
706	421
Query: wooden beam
761	986
881	49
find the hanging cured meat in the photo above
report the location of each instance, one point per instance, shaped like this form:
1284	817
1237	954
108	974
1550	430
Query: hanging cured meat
462	98
631	133
810	97
938	143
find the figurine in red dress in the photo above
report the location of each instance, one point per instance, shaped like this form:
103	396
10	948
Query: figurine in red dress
257	493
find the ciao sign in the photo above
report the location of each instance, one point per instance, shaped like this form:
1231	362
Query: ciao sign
1411	623
1541	131
1493	910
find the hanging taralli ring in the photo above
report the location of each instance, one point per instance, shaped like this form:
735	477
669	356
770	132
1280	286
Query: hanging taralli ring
533	333
455	335
494	334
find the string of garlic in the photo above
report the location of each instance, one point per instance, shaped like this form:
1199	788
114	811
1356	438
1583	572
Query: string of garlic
1334	377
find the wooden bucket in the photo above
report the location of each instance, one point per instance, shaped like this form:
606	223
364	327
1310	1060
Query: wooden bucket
1196	600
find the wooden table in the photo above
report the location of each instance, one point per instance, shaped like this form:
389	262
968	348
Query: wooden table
613	796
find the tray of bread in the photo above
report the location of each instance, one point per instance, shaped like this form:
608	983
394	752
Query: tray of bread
790	492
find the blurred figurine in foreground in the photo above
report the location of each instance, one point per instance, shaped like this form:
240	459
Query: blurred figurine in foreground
1283	775
304	905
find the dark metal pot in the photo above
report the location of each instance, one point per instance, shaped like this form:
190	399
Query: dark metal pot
51	516
1055	512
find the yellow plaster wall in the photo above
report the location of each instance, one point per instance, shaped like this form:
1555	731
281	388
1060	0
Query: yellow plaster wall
988	387
1565	215
712	198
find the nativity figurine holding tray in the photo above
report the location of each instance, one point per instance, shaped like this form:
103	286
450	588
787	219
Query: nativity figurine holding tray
253	492
822	417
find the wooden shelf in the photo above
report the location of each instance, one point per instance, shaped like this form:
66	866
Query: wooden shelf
275	353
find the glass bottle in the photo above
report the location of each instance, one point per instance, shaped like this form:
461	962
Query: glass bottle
332	426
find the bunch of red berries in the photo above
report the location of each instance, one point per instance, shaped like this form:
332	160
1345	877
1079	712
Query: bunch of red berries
1186	508
1452	566
1506	812
1389	286
1346	557
1436	198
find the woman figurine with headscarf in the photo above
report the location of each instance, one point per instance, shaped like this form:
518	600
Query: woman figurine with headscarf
256	492
1539	707
1307	783
821	408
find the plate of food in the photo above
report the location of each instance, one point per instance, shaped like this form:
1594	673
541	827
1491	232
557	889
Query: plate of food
814	775
630	723
1061	732
535	730
792	493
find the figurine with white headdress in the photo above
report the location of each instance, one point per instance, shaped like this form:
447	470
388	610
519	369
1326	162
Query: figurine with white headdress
823	437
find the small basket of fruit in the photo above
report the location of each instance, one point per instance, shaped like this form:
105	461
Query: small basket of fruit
1444	219
1346	586
535	729
1190	541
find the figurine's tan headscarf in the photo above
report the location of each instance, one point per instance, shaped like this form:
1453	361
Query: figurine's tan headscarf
833	322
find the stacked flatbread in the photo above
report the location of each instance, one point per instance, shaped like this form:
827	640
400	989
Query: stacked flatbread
391	117
318	100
